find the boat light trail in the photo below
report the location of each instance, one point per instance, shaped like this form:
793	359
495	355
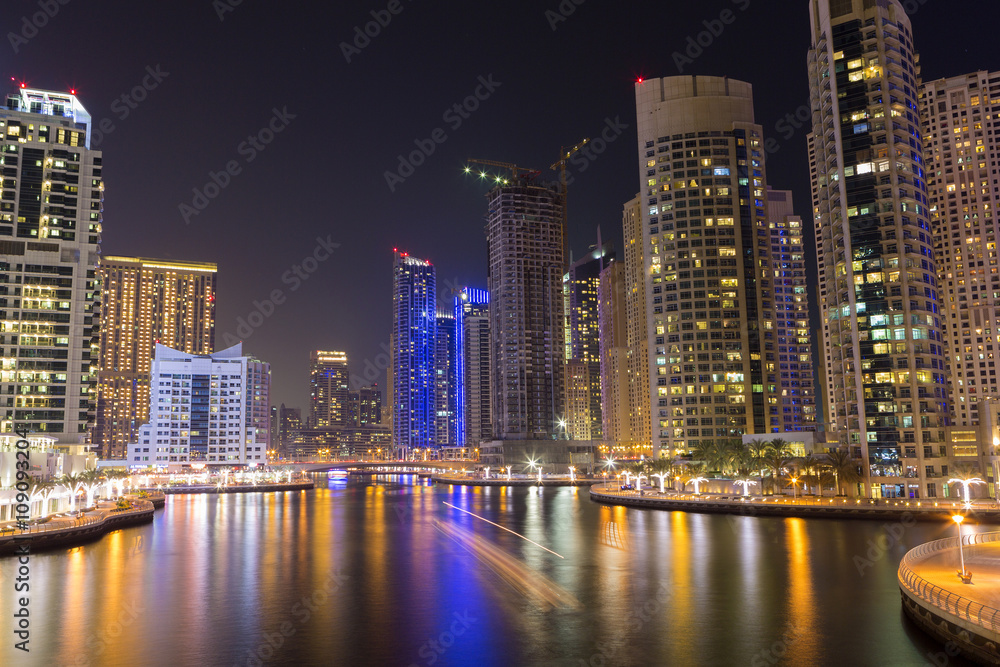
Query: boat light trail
507	529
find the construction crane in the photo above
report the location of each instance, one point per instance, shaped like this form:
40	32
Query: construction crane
560	164
517	172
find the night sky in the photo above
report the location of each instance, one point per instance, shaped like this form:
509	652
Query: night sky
217	73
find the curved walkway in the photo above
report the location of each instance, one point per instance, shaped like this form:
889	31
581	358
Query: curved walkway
833	508
965	616
459	480
70	529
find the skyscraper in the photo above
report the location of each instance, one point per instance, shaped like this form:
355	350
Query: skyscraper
636	327
144	302
583	354
258	400
714	367
795	400
330	389
289	425
961	133
883	343
617	423
366	406
446	390
200	413
50	228
526	239
472	370
414	343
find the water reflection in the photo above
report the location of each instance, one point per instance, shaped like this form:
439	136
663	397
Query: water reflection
381	571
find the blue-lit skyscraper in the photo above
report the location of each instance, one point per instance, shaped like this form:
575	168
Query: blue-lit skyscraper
446	396
414	345
472	367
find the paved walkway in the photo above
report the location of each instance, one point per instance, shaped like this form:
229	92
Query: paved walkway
69	519
983	560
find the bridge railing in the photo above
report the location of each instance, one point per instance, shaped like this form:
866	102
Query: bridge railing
945	600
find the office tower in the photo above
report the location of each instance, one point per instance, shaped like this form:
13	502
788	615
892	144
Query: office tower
961	142
200	412
144	302
258	392
50	228
526	240
329	389
289	425
883	345
611	310
709	296
795	400
446	390
636	328
414	342
472	370
583	354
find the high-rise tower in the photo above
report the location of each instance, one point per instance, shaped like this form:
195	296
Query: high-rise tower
145	302
526	239
414	342
472	370
713	363
50	228
330	389
883	344
446	389
961	141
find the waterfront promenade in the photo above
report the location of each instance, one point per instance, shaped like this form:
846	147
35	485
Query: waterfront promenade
810	507
965	617
232	488
72	528
515	480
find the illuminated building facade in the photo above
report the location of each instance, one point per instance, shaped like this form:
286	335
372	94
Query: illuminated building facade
330	390
787	316
617	423
258	393
705	227
445	376
472	368
414	344
583	355
144	302
200	412
51	203
961	142
883	335
636	331
365	406
526	239
289	425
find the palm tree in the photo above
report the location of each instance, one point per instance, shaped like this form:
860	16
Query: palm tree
73	484
91	482
39	491
966	475
758	449
844	467
775	459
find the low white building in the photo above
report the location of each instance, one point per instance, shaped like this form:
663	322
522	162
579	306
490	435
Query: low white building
46	462
200	413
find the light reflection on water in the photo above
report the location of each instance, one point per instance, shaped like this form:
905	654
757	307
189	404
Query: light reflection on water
359	574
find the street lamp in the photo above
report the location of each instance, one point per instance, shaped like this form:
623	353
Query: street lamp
966	483
794	480
966	576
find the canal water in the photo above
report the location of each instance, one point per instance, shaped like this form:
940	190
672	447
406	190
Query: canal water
394	571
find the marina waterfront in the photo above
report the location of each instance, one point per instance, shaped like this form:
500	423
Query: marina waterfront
392	570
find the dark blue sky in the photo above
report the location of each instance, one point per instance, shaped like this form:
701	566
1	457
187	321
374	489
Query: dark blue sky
224	75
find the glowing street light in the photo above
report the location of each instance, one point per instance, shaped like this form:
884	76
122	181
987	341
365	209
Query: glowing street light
794	480
966	483
697	484
966	576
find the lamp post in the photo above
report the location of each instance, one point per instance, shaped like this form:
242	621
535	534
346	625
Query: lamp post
958	518
794	480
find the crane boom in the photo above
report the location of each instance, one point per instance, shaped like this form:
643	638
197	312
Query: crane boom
517	171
